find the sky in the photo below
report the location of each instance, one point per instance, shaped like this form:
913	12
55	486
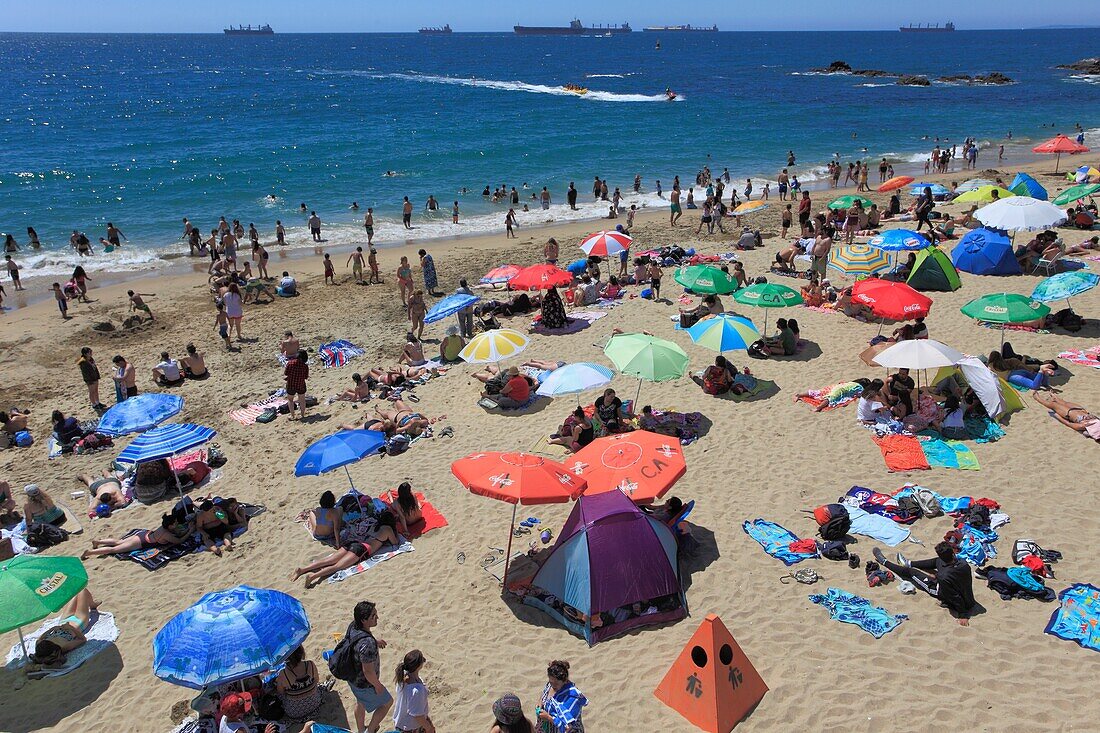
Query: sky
361	16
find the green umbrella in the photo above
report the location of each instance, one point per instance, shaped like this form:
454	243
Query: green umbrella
768	295
32	587
706	279
847	202
646	357
1005	308
1076	192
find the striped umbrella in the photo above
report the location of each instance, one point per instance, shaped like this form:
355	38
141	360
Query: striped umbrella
895	183
165	441
750	207
607	243
139	413
493	346
724	332
858	259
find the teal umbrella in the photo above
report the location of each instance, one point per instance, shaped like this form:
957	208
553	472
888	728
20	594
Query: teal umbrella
1064	286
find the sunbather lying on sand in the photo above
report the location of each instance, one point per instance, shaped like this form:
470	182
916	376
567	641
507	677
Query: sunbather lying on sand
52	647
171	532
405	420
384	533
382	426
1068	413
104	490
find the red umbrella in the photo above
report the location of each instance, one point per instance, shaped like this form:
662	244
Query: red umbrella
606	243
642	465
501	274
1057	145
540	277
895	183
894	300
517	478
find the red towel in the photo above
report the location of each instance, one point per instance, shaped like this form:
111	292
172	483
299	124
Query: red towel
807	545
432	519
902	453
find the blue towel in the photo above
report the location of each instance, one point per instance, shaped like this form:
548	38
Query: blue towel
1078	617
852	609
983	430
977	545
877	527
775	539
949	504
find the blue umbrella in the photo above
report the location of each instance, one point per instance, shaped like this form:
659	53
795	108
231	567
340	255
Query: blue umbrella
449	306
937	189
724	332
985	252
899	240
337	451
575	378
165	441
1025	185
139	413
1064	286
229	635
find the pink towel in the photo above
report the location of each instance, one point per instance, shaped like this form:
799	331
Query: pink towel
248	415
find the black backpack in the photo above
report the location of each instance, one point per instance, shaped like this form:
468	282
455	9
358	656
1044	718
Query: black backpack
836	528
344	662
42	534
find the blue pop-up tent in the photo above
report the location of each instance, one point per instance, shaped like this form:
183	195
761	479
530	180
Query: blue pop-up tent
985	252
1025	185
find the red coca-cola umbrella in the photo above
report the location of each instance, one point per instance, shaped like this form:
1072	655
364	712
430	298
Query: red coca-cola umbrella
1057	145
540	277
894	300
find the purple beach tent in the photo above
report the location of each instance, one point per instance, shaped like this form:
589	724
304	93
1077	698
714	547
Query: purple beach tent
608	556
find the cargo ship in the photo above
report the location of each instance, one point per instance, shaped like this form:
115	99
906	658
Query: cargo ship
248	30
928	28
431	31
679	29
575	28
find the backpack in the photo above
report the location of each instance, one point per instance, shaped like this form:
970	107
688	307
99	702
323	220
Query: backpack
24	439
833	550
833	522
759	350
344	663
42	534
268	415
928	503
1068	320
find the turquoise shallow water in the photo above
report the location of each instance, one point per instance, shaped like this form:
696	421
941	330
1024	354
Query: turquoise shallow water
145	129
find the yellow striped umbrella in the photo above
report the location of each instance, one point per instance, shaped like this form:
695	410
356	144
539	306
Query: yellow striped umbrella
493	346
750	207
858	259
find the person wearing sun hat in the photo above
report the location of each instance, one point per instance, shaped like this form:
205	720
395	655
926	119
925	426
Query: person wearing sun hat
233	708
509	716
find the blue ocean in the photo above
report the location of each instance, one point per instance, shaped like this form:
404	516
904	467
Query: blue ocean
143	130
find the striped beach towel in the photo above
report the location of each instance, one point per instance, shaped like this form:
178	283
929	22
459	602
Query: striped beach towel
338	353
248	415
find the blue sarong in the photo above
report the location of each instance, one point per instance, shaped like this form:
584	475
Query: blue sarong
775	539
852	609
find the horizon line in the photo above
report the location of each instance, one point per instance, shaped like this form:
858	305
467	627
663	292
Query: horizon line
891	29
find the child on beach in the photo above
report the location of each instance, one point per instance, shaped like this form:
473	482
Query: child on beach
138	304
355	259
221	322
13	271
372	261
330	271
62	301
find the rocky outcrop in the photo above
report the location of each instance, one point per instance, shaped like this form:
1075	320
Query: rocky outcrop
994	78
1085	66
837	67
914	80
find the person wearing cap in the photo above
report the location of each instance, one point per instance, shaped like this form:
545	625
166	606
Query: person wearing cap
39	507
233	708
508	711
516	390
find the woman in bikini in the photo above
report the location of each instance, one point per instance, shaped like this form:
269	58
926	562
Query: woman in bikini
404	280
39	507
52	647
416	311
382	426
326	521
413	353
212	522
1068	413
356	551
405	420
171	532
358	393
406	508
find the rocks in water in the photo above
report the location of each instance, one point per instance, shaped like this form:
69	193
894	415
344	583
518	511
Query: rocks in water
917	80
837	67
994	77
1085	66
873	73
914	80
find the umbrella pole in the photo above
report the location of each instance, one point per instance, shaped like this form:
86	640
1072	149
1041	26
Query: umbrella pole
23	643
637	394
349	477
179	486
1057	162
881	323
508	552
1002	337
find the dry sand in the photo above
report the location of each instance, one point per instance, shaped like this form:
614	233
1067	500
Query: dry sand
769	458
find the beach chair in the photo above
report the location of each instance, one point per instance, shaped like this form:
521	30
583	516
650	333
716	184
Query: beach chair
675	522
1049	267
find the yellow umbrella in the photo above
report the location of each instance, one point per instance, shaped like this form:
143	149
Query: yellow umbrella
493	346
983	194
750	207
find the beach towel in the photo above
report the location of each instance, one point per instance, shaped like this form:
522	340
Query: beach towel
852	609
776	540
1084	357
833	396
156	558
687	424
949	504
577	321
901	452
976	545
432	518
758	387
53	448
383	554
876	526
949	454
983	430
1013	327
338	353
822	309
247	415
874	502
101	633
1078	616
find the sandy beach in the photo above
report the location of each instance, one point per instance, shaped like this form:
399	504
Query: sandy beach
769	457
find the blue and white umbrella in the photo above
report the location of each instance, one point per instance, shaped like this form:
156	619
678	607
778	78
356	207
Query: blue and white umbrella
899	240
229	635
974	184
937	189
140	413
165	441
449	306
1064	286
338	450
574	378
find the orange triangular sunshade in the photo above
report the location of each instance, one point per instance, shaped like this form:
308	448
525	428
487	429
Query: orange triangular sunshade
712	683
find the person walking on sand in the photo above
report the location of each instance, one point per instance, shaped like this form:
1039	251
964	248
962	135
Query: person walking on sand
296	372
427	266
62	300
371	696
89	372
407	213
125	379
260	257
221	322
653	272
355	259
416	310
784	182
410	709
805	207
330	269
404	280
315	226
509	222
137	302
234	307
562	703
372	262
368	224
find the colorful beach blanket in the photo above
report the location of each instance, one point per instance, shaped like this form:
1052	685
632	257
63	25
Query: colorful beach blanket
578	321
156	558
432	518
901	452
976	545
373	560
1013	327
949	504
776	540
247	415
754	386
338	353
101	633
1084	357
949	454
833	396
1077	619
852	609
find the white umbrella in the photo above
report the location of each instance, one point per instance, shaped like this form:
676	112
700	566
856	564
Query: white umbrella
574	378
917	354
1020	213
974	184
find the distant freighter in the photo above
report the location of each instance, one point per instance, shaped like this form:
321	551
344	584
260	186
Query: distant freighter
248	30
679	29
575	28
929	28
430	31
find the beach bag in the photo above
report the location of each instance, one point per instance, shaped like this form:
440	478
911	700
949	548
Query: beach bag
833	550
833	522
759	350
1068	320
397	445
42	534
92	442
928	503
215	458
24	439
344	663
267	415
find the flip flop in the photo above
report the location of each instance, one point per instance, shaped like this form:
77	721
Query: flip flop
460	558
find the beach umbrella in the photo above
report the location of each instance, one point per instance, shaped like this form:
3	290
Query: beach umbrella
641	464
1074	193
768	295
646	357
32	587
895	183
983	195
1085	174
499	275
1057	145
938	189
517	478
449	306
337	451
706	279
917	354
974	184
1025	185
1020	213
724	332
493	346
139	413
1005	308
899	240
165	441
888	299
750	207
608	243
985	251
858	259
229	635
1064	286
574	379
847	202
540	277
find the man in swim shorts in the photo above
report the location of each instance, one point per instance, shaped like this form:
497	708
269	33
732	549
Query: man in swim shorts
675	212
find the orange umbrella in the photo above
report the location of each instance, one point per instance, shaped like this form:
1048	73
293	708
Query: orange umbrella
895	183
540	277
1057	145
517	478
642	465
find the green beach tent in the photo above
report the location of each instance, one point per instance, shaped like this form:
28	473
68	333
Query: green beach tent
934	271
